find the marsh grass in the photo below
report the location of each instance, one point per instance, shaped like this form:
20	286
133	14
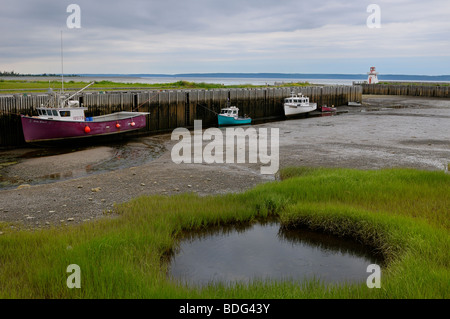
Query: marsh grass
18	86
402	214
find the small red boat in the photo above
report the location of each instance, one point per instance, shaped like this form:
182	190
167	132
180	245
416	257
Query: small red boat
325	108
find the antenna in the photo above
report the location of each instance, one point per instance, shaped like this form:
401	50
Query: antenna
62	64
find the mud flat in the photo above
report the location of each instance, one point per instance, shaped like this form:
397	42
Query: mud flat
386	131
34	166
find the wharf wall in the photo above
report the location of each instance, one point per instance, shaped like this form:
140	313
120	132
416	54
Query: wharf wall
420	89
170	109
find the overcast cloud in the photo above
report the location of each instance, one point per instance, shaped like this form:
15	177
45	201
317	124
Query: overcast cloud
174	36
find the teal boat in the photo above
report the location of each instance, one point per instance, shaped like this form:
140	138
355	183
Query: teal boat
230	116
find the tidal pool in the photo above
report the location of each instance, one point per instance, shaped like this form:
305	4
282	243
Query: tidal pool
34	166
265	251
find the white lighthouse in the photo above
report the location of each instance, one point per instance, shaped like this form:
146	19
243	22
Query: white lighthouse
373	78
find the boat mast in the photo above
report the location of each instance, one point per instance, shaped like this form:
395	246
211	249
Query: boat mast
62	65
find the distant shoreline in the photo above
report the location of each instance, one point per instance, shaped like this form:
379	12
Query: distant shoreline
39	84
384	77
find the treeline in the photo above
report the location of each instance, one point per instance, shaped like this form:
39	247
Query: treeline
12	73
6	73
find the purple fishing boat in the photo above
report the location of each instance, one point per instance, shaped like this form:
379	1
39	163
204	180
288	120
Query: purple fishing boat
60	126
69	121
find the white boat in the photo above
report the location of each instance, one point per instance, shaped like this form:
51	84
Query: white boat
297	104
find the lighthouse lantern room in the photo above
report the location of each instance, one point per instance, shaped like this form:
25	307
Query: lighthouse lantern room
373	78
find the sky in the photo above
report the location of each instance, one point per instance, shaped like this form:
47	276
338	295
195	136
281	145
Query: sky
225	36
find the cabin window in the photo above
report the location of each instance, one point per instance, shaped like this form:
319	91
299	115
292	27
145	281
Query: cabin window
55	113
39	112
64	113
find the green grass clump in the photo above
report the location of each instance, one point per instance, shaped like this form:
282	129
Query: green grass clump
401	213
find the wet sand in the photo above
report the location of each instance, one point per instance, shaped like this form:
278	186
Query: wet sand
36	167
387	131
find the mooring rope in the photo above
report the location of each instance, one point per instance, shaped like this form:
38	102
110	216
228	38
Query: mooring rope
207	108
148	100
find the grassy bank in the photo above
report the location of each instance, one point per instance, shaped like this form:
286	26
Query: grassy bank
402	213
21	86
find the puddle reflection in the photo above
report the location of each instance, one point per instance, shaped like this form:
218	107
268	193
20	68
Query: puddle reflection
266	251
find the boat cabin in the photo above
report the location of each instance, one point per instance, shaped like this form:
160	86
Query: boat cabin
297	100
62	114
230	111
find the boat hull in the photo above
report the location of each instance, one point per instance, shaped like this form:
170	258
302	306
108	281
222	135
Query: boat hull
294	110
227	120
327	109
37	129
